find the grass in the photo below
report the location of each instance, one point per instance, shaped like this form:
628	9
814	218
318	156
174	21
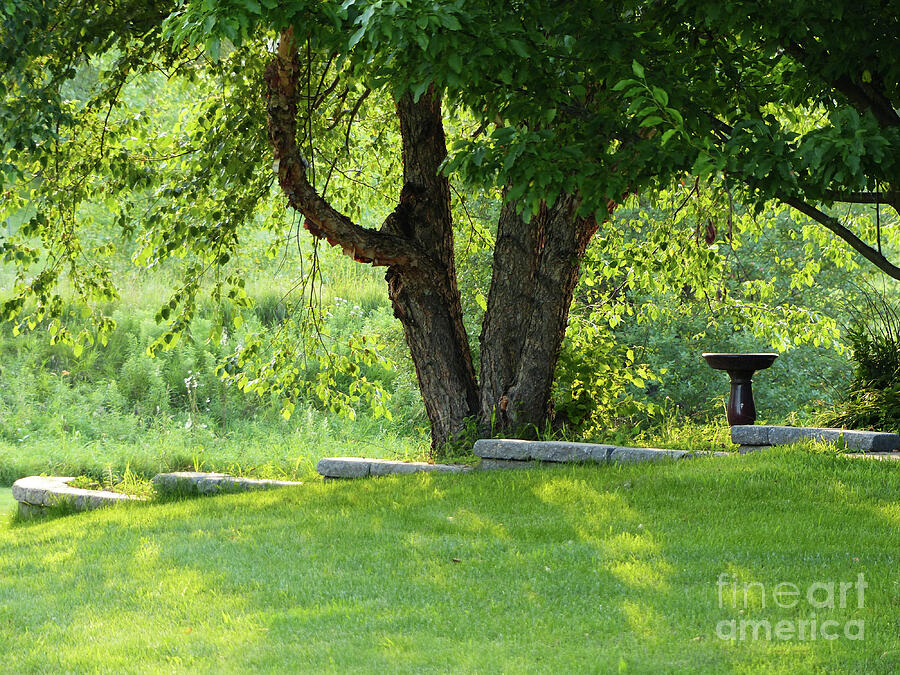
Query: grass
262	450
578	569
7	504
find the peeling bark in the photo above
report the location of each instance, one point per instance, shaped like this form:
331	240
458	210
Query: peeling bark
320	217
415	242
427	302
536	266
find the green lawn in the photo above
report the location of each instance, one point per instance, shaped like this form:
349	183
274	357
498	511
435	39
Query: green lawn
576	569
261	450
6	504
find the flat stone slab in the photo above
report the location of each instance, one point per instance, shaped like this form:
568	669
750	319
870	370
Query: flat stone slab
492	464
36	493
196	482
866	441
509	450
360	467
874	455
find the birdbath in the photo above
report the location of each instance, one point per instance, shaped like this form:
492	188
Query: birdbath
740	368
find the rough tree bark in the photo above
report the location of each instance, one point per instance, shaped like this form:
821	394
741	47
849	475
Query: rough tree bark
415	242
427	302
535	269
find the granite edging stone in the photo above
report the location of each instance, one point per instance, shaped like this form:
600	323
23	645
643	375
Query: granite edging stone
763	435
197	482
360	467
563	452
35	493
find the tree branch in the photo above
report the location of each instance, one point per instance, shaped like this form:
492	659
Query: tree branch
320	217
890	198
863	97
866	251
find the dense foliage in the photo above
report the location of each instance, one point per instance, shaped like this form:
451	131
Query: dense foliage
872	400
141	129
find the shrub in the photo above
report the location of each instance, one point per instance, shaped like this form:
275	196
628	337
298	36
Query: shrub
873	398
599	381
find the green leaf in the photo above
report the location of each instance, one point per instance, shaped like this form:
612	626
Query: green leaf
455	62
661	96
519	48
637	69
450	21
622	84
676	116
356	37
419	89
482	302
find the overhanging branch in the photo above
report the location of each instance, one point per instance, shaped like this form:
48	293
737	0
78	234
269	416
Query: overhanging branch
891	198
871	254
320	217
833	224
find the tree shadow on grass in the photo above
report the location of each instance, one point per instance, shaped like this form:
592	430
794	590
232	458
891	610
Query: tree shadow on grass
573	569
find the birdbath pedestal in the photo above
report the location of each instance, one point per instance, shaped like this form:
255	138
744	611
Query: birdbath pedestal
740	367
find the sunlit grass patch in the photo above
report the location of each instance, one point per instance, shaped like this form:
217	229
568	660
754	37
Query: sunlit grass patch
554	570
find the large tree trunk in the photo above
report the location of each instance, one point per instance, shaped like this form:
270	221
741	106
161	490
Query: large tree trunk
427	302
535	269
415	242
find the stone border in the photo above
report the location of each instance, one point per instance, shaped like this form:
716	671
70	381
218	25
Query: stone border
865	441
503	454
506	453
360	467
873	455
199	483
36	494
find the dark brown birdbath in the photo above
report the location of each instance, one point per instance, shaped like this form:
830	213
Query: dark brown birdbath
740	368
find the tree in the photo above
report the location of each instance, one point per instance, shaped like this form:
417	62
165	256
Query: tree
535	269
537	257
576	107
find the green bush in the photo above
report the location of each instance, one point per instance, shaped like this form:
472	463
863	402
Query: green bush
873	398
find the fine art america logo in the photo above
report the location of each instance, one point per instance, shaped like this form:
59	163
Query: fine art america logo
819	595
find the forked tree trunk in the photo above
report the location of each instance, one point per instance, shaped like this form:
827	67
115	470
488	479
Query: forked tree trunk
534	274
535	269
426	301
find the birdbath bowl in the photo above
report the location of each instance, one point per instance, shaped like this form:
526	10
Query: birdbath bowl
740	367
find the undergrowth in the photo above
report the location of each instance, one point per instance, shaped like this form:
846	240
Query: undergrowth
872	400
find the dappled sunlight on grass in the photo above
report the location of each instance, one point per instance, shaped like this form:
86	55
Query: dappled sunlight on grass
473	523
109	574
642	574
630	544
506	571
891	512
596	513
644	621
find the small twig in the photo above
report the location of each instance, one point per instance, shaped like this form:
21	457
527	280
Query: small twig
352	117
